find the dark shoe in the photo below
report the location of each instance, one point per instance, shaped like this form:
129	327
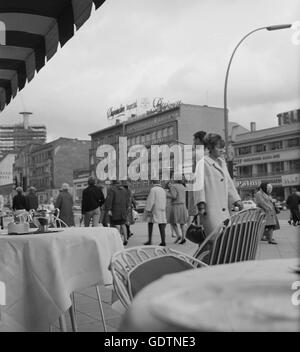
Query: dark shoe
125	243
162	244
272	242
182	241
290	222
178	239
147	243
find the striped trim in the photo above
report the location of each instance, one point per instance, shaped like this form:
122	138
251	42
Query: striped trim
34	28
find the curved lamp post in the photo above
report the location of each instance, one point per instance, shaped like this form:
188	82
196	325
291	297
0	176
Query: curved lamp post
270	28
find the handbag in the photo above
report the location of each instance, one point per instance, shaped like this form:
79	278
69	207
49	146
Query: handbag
195	233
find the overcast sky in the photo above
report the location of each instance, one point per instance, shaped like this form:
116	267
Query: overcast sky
176	49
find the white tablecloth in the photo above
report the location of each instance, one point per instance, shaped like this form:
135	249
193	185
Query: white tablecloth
246	296
40	272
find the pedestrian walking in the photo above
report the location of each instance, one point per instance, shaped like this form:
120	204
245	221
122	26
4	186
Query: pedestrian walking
155	212
64	203
116	206
1	211
219	194
179	214
32	202
92	201
263	200
19	200
130	220
169	207
292	202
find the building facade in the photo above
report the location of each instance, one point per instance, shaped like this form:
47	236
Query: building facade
168	124
51	164
14	137
269	155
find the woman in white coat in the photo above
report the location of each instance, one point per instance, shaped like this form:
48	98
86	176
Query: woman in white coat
218	194
155	212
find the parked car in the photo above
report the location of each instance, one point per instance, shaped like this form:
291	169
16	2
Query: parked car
249	204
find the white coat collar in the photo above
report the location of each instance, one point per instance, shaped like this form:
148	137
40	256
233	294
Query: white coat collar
213	163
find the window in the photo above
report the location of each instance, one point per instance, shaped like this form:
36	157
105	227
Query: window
245	171
276	145
294	142
148	137
262	169
171	131
159	134
277	167
294	165
138	140
153	136
142	139
260	148
244	150
165	132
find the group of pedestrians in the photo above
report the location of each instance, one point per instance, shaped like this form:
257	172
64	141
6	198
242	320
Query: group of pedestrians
116	210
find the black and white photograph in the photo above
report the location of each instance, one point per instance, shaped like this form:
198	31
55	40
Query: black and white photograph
149	168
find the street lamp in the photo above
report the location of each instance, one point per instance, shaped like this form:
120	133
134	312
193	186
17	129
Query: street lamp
269	28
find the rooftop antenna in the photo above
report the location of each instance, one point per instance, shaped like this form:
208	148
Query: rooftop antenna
25	118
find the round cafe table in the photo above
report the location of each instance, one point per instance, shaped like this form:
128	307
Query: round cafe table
245	296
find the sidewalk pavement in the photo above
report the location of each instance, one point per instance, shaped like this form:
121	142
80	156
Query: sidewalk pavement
88	315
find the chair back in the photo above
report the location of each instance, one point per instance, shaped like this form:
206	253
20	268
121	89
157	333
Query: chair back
236	240
134	268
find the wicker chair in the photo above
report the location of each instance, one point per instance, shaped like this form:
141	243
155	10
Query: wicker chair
234	241
134	268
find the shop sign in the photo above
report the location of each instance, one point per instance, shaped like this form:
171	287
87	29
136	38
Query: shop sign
254	183
258	158
291	180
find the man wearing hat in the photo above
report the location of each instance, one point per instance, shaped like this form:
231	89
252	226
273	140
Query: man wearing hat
19	200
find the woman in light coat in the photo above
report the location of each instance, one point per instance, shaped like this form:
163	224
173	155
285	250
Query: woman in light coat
179	214
64	203
263	200
155	212
218	194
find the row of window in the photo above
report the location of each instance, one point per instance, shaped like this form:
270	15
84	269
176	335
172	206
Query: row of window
264	147
43	182
152	137
262	169
41	157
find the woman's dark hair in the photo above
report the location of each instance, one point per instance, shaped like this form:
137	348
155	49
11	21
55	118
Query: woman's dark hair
200	135
263	186
211	140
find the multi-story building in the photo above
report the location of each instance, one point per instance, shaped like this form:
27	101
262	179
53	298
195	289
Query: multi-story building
51	164
167	124
269	155
14	137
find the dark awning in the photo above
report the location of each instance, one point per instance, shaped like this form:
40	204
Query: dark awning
33	29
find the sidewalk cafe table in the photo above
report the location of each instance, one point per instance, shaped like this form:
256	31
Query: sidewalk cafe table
245	296
40	271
